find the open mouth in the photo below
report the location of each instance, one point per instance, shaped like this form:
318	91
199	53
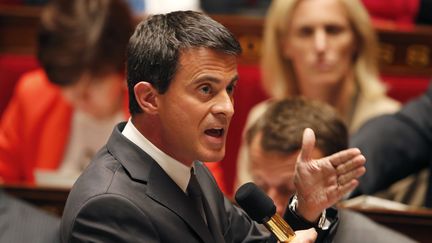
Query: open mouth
217	133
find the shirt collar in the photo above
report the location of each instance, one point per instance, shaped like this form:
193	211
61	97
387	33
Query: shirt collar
177	171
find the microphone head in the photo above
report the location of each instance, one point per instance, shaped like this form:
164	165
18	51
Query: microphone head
255	202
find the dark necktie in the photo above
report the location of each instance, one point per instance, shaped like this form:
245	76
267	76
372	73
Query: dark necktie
195	193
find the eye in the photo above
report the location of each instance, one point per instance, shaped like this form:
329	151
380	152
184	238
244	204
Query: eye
305	32
205	89
230	89
334	29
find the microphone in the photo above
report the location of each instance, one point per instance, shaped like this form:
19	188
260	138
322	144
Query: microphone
261	208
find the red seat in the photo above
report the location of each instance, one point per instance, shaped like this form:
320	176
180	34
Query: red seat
247	94
399	12
404	88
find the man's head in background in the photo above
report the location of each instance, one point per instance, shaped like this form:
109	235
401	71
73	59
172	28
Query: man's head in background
275	140
81	47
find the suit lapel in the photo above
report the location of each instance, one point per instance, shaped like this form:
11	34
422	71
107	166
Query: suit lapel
164	190
212	222
210	203
160	186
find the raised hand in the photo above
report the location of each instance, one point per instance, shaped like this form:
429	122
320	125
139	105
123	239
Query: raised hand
323	182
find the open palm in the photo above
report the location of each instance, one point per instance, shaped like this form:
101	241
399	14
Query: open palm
321	183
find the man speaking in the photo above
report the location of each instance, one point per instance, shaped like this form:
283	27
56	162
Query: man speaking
148	184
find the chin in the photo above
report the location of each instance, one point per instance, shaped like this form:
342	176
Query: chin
212	156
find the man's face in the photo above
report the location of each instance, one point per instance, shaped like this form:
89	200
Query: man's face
197	108
274	172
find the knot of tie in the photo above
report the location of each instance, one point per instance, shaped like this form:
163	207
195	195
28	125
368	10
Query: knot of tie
193	187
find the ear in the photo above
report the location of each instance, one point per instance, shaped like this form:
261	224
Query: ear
146	96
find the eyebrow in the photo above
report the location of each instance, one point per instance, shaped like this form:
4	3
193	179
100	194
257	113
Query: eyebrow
215	80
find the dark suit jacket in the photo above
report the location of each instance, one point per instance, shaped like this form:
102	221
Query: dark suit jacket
21	222
357	228
125	196
396	146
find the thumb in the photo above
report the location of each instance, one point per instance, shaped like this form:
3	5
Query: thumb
303	236
308	144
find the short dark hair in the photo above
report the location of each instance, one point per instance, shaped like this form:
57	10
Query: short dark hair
155	47
83	36
284	121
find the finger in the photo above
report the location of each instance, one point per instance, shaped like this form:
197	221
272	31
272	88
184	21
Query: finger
343	156
308	235
343	179
346	188
308	144
350	165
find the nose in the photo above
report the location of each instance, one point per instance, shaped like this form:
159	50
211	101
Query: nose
224	105
320	41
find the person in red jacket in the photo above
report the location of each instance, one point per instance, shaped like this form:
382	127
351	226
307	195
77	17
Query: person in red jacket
59	116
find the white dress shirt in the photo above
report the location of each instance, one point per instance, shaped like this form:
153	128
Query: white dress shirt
178	172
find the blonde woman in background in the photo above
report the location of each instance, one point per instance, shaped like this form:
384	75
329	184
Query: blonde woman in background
324	50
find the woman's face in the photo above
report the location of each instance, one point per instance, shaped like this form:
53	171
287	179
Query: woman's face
99	97
320	44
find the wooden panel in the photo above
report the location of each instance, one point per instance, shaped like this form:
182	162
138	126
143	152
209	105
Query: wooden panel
404	51
415	223
18	29
51	199
248	31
